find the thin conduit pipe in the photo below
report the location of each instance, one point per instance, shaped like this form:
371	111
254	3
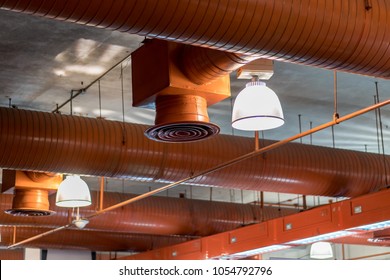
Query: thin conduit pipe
221	166
92	240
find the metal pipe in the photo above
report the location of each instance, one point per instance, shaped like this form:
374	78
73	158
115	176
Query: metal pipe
14	235
381	133
101	193
256	140
304	203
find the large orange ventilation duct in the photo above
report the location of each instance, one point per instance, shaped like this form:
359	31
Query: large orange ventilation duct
156	217
340	35
57	143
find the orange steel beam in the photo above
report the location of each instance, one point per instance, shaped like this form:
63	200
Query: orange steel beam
339	216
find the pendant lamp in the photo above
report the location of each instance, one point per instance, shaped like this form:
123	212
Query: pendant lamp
257	107
73	192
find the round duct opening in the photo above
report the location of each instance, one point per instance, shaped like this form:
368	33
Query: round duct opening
181	118
30	202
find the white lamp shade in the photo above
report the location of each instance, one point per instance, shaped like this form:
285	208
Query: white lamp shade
257	107
73	192
321	250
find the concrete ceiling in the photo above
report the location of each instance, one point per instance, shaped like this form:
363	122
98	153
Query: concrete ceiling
42	61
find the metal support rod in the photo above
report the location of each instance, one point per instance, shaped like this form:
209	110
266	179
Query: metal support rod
300	126
218	167
69	215
71	102
256	140
14	235
262	205
100	100
381	133
311	135
377	126
261	199
101	194
335	113
304	203
333	139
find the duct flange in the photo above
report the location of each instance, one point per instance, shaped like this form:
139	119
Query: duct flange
181	118
31	191
30	202
181	105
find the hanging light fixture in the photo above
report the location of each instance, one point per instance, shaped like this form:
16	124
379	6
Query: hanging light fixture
73	192
321	250
257	107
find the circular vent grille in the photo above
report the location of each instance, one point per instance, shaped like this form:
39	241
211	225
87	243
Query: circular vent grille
29	212
182	132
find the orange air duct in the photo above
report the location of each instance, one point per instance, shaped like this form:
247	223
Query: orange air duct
48	142
339	35
155	215
160	221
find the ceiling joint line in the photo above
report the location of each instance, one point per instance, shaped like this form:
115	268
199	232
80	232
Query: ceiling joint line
84	89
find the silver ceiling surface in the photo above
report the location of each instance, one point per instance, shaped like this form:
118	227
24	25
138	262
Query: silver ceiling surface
43	62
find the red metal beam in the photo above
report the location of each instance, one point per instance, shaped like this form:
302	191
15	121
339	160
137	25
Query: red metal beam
335	217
